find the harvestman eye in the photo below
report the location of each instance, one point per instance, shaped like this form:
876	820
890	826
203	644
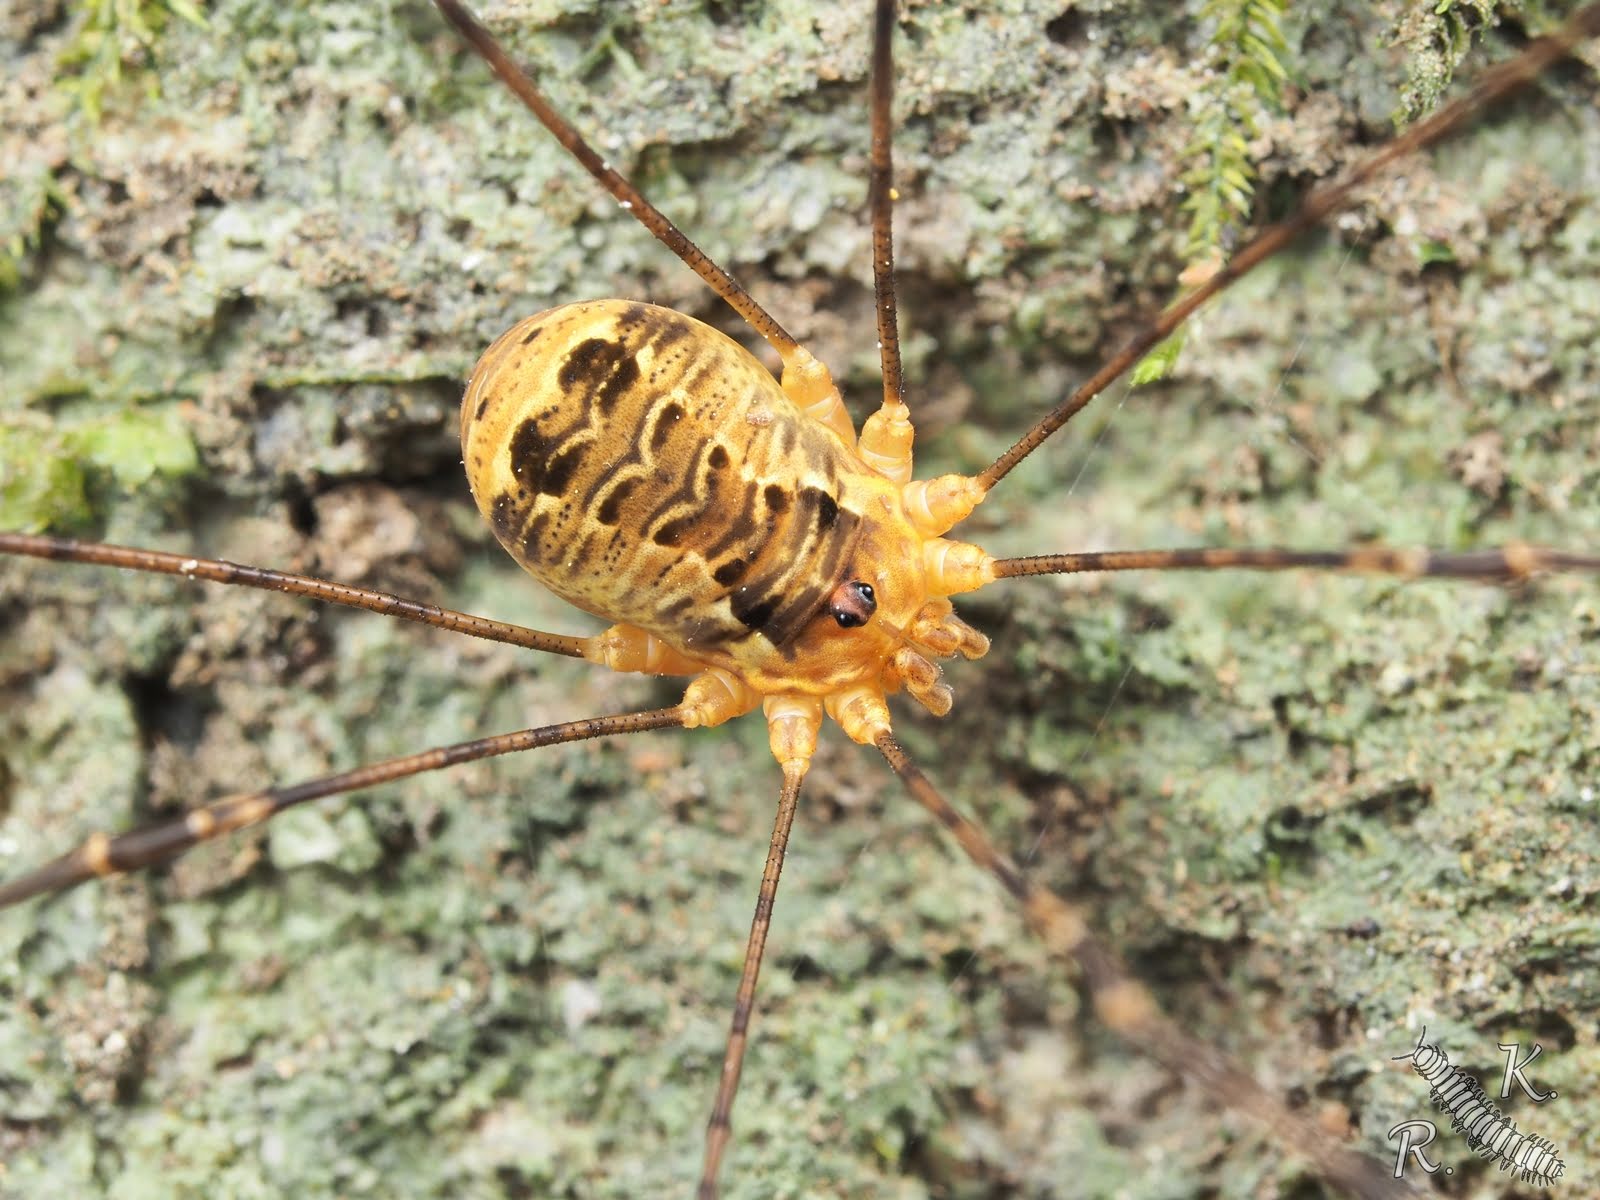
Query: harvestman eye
853	604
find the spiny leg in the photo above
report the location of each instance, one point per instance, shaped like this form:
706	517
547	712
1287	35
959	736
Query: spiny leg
1129	1010
489	49
1495	85
793	723
59	549
102	855
1513	562
887	435
719	1130
620	648
880	194
805	379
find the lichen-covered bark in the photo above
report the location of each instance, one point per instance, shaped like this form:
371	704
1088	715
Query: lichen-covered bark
1315	813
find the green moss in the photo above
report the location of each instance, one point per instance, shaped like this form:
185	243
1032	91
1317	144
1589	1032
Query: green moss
52	471
33	203
1438	37
109	36
1244	84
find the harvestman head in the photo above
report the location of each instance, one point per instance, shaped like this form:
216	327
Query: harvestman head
742	535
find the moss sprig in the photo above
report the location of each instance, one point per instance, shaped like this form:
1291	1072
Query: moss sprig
1245	82
114	34
1436	38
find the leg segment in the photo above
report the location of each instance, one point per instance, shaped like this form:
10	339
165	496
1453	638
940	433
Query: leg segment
59	549
1495	85
720	1127
792	726
629	648
1130	1011
1504	562
669	235
887	435
104	855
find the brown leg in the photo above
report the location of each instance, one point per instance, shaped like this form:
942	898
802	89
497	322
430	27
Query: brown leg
720	1128
1130	1011
1501	562
104	855
1494	86
59	549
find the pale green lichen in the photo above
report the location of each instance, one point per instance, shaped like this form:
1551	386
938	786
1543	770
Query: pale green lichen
34	202
1313	812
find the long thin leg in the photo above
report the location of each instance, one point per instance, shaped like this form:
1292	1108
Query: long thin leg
806	381
1491	88
61	549
720	1128
1504	562
1130	1011
880	192
648	215
104	855
887	435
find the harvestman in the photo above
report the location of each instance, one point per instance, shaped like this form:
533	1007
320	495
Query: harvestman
599	357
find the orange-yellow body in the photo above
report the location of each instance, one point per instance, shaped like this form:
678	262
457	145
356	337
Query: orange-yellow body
649	470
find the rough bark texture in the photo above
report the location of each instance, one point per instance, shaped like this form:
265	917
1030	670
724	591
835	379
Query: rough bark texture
1315	813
